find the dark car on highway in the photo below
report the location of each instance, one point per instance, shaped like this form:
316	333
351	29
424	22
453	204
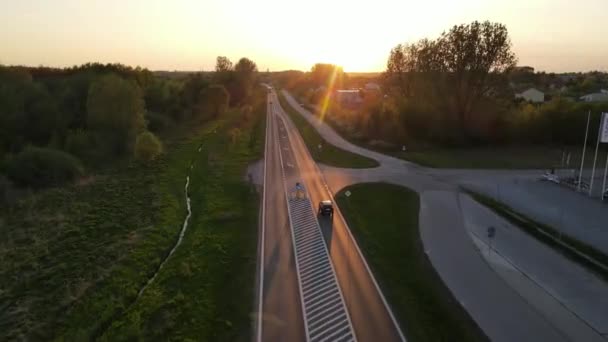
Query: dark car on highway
326	208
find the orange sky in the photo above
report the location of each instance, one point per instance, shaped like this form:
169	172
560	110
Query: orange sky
551	35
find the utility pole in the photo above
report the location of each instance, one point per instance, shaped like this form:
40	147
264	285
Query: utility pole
597	145
580	174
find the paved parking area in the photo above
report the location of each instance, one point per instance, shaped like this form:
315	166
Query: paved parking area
573	213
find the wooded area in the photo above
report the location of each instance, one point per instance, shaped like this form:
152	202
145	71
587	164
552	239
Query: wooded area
59	124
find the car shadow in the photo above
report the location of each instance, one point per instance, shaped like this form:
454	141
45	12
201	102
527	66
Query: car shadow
327	228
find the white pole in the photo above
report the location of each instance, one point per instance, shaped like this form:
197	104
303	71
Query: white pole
597	145
604	117
580	174
604	182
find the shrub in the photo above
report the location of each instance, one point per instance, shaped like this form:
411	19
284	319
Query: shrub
147	147
41	167
79	143
158	122
5	189
115	112
213	102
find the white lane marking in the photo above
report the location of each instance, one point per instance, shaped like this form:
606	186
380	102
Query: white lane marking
263	235
321	289
369	271
302	219
294	251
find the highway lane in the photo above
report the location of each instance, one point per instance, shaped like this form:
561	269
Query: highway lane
281	318
368	311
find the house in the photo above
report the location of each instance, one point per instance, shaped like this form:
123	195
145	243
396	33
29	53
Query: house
595	97
524	68
348	97
371	86
531	95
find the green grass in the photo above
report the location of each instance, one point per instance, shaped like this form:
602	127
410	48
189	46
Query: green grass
386	229
548	235
522	157
328	154
499	157
89	245
73	259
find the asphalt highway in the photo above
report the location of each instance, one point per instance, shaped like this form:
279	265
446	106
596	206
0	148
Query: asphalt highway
282	318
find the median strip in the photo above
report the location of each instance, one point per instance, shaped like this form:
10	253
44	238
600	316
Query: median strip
384	220
320	150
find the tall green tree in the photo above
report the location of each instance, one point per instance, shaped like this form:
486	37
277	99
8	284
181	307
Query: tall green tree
28	113
457	72
224	71
475	56
327	75
245	77
115	112
213	101
223	64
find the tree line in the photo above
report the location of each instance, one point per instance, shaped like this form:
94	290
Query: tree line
56	123
455	90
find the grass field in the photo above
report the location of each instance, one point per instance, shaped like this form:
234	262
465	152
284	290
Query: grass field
499	157
386	229
73	259
328	154
521	157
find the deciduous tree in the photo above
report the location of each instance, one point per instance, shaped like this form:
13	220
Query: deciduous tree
115	112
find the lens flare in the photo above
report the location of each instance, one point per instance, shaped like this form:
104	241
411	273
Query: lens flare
327	97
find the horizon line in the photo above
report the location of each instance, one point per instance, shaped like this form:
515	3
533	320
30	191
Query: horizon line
262	71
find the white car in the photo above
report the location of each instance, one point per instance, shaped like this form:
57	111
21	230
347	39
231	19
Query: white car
551	177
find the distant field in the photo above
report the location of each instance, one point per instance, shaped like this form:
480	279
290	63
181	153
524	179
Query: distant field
73	259
533	157
329	154
386	229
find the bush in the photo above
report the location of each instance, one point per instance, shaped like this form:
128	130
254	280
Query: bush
41	167
79	143
213	102
5	189
158	122
147	147
115	112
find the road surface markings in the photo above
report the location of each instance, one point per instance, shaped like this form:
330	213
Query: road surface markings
325	313
330	193
262	234
323	308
